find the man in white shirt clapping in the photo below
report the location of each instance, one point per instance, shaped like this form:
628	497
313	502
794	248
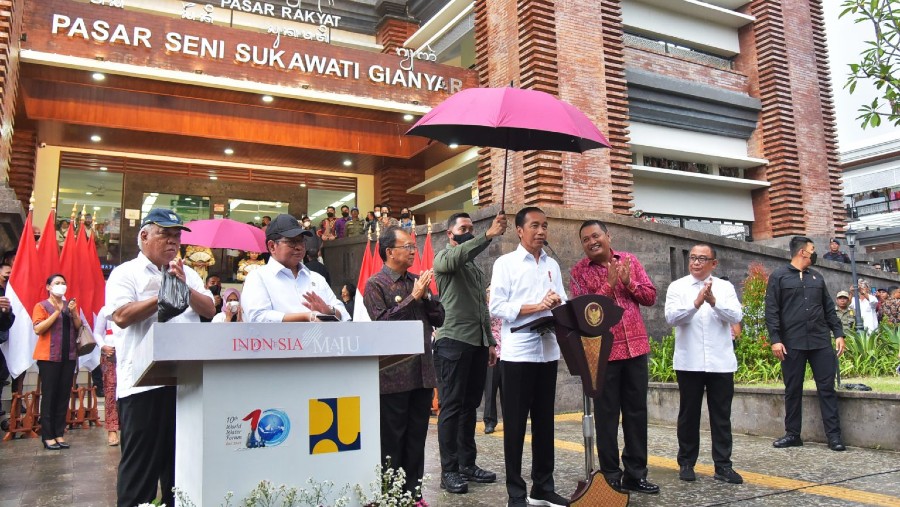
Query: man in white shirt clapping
702	308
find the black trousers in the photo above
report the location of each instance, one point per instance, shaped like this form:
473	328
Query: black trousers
460	369
492	384
56	389
404	426
528	388
823	367
719	393
625	393
147	429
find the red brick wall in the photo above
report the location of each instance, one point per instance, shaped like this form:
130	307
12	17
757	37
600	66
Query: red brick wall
393	32
10	33
686	70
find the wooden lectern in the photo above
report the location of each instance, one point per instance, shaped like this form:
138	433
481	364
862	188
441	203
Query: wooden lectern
280	402
582	326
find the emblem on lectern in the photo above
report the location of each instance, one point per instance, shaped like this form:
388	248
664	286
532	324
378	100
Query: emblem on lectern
334	425
593	314
268	428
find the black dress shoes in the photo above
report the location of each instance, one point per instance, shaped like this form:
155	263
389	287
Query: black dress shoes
836	445
788	441
687	473
640	486
454	483
489	428
51	447
63	445
475	473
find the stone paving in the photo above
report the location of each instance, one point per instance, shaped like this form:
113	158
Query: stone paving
811	475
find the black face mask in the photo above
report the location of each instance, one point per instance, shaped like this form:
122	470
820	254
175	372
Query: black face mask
404	215
345	214
462	238
330	214
813	257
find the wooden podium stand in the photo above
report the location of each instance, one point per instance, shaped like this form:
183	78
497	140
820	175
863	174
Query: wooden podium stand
278	402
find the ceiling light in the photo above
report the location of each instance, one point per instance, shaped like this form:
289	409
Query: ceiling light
104	168
303	185
88	193
229	151
154	194
408	117
213	178
267	98
98	76
347	163
96	138
453	146
96	208
188	199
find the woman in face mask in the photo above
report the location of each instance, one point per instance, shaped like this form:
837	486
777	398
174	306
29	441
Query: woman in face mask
231	308
56	322
406	222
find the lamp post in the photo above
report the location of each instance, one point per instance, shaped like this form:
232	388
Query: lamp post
851	242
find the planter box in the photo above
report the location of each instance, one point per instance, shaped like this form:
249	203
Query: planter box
867	419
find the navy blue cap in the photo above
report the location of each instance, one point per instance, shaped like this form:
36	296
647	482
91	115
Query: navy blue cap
164	218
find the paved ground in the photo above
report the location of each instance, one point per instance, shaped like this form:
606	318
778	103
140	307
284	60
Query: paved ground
807	476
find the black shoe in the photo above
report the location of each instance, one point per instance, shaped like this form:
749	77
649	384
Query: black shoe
836	445
616	484
516	502
548	499
728	475
51	447
687	473
640	486
475	473
788	441
63	445
489	428
454	483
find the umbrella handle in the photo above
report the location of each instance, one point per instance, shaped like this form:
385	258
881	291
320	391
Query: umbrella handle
505	168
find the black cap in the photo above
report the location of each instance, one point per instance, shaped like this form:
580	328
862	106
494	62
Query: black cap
285	226
164	218
835	240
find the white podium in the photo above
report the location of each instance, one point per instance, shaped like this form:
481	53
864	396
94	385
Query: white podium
278	402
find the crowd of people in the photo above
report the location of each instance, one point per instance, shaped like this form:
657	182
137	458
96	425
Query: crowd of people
463	331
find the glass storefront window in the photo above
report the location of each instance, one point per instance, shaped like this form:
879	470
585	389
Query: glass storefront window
189	207
99	193
321	199
251	212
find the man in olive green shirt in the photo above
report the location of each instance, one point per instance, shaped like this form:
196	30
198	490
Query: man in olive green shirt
463	349
354	226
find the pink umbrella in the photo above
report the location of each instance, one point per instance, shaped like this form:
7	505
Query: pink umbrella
224	233
512	118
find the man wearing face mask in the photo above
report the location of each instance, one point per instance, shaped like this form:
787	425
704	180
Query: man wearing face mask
327	227
313	241
463	349
800	317
340	225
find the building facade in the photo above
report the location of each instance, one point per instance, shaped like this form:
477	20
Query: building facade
719	112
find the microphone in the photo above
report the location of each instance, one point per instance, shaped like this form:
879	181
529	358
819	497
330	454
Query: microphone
547	244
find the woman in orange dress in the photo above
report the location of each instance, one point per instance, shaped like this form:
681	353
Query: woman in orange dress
56	322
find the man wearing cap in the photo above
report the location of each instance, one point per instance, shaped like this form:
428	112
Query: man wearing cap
843	310
834	253
285	290
354	226
147	414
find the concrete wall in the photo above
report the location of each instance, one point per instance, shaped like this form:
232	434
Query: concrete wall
662	250
867	419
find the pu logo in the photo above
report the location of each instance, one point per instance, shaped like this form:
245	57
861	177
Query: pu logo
334	425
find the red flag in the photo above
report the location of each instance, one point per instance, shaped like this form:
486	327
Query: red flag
417	261
95	272
48	250
81	279
24	290
67	260
428	260
360	314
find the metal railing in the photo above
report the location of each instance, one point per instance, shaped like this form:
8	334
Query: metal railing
670	48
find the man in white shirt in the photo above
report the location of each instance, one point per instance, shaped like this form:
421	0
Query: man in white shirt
702	308
526	284
868	306
147	414
284	290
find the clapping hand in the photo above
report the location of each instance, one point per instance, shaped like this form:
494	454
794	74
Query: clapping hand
73	307
421	286
619	271
705	295
551	300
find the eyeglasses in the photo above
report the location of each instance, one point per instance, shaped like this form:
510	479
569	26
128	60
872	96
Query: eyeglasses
292	243
702	259
408	248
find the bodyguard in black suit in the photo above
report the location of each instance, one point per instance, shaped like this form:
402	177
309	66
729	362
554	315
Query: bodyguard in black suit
800	317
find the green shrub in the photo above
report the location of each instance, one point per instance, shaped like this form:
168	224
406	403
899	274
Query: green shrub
662	353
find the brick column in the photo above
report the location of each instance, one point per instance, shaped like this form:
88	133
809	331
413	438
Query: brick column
391	184
552	41
10	33
785	56
395	27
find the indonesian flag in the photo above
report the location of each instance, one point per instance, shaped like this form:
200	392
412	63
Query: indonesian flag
427	261
360	314
93	295
25	289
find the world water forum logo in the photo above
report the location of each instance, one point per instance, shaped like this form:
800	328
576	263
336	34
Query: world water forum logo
268	428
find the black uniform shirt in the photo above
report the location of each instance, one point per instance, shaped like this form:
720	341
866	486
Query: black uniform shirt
799	311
